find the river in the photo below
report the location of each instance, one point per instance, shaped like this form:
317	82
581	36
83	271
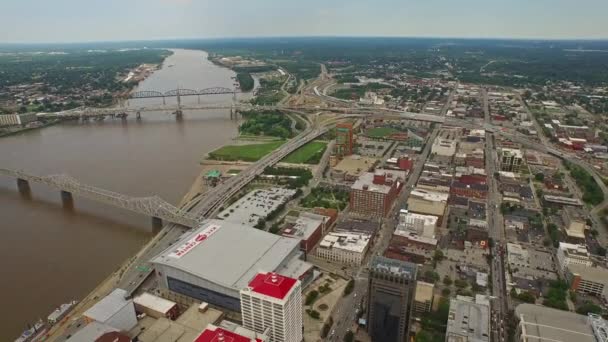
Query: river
50	255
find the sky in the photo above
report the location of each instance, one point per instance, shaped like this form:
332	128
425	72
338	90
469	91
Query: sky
43	21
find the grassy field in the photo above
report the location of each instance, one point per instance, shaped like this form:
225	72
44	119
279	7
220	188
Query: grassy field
310	153
380	132
250	153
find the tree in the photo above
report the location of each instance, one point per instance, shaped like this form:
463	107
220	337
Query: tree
447	280
438	256
445	292
311	297
313	313
431	276
325	330
461	283
349	287
349	336
589	307
539	177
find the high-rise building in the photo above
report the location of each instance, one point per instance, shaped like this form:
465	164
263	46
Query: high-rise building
344	139
272	304
510	159
392	284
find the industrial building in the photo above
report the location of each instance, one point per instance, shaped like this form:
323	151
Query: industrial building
391	288
155	306
114	310
469	320
374	193
214	262
540	323
272	304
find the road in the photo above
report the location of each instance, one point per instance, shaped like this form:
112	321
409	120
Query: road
497	231
346	310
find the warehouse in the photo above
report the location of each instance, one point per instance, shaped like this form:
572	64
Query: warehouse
214	262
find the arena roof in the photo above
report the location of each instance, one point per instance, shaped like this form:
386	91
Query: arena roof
228	254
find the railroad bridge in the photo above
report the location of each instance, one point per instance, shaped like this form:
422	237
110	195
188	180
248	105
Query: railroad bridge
152	206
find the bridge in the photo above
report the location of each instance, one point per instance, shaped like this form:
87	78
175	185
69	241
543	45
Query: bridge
148	94
153	206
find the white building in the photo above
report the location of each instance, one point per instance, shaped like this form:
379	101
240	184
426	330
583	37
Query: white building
272	304
422	225
345	248
571	254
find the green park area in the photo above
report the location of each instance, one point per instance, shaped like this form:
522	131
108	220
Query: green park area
249	153
380	132
326	198
310	153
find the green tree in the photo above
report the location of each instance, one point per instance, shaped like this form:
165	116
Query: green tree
447	280
539	177
311	297
589	307
349	336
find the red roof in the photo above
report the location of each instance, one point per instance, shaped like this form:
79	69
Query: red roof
272	284
222	335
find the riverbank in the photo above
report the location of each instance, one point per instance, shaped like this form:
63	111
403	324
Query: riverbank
27	129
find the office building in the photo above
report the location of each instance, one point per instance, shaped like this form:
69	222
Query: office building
570	254
214	333
272	304
391	288
373	194
344	248
423	300
510	159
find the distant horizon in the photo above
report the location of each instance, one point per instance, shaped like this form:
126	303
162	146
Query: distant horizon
227	38
88	21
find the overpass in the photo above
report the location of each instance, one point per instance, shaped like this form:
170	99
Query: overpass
153	206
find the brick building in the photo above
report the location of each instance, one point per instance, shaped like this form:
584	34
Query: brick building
374	193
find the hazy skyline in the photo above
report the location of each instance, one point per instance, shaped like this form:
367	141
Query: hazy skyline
31	21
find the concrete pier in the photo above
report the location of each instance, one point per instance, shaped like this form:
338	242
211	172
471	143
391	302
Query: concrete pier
23	186
67	200
157	223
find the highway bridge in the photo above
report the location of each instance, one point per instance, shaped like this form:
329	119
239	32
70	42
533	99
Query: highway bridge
153	206
148	94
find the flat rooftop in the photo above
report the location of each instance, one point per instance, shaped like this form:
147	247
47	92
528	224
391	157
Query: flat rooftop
468	321
398	267
306	224
346	241
226	253
541	323
256	205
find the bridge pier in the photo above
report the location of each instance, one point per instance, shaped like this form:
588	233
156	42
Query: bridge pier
138	115
66	199
157	223
23	186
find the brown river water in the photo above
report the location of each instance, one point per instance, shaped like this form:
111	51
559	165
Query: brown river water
50	255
